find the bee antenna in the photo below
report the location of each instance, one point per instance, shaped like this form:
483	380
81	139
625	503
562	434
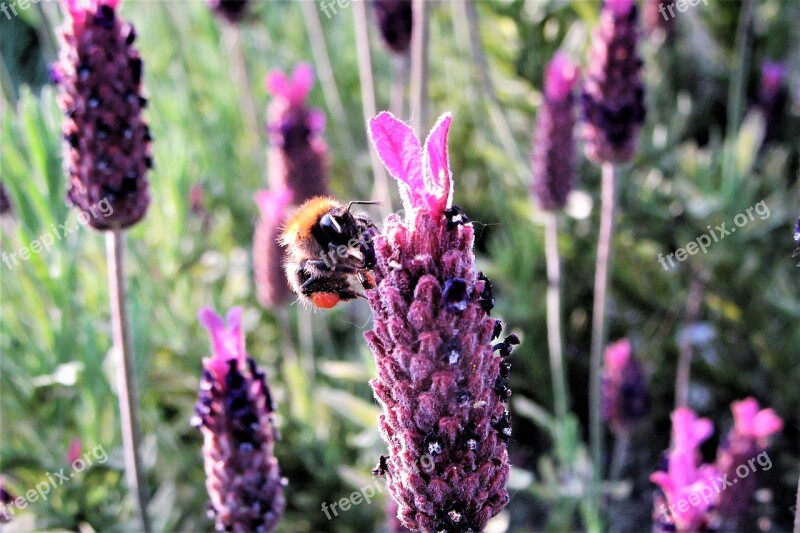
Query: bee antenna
361	202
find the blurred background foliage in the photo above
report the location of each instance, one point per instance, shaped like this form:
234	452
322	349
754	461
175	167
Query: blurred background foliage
702	160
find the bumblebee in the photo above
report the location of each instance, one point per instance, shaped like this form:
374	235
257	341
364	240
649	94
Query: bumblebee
329	252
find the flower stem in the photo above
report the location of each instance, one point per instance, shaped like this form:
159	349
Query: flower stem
419	65
554	338
608	201
622	444
683	373
368	106
400	71
499	120
333	101
232	39
797	510
126	374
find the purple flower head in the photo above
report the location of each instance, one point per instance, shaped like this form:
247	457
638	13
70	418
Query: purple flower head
297	158
749	437
613	93
554	142
395	21
232	11
773	74
624	387
271	286
234	413
685	476
106	140
773	96
440	384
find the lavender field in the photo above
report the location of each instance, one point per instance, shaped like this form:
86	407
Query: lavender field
400	265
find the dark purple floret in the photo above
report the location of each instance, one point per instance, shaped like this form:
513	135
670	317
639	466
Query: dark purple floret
613	94
107	142
5	201
395	23
797	238
232	11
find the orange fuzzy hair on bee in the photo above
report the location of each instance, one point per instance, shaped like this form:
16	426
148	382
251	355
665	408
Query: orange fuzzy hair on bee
299	225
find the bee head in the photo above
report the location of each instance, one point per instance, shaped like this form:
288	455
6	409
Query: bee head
339	225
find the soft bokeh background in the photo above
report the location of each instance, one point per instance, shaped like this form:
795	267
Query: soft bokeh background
56	374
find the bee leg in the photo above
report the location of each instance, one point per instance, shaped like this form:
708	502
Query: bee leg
367	279
321	265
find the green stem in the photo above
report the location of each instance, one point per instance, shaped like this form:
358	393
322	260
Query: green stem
333	101
554	336
797	510
419	66
601	280
496	114
126	375
683	374
368	106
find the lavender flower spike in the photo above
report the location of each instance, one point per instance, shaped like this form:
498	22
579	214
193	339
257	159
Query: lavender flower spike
107	142
613	94
440	384
272	288
624	389
554	142
749	438
297	156
234	413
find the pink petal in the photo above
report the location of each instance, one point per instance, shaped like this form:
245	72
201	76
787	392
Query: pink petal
618	354
301	84
276	83
688	430
663	480
766	423
620	8
399	149
438	177
560	77
77	8
273	204
226	339
316	120
744	412
703	429
74	451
